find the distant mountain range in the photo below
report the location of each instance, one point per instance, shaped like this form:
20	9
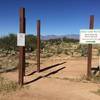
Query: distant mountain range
70	36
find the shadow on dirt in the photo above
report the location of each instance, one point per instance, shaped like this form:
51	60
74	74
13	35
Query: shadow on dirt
53	72
46	68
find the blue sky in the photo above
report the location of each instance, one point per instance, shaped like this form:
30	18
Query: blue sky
58	17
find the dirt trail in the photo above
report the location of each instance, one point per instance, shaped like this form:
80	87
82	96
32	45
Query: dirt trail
54	83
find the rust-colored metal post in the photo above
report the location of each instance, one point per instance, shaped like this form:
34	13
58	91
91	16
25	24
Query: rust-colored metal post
38	45
89	63
21	49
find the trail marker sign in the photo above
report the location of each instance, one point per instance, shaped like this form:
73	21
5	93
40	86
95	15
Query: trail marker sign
21	39
90	36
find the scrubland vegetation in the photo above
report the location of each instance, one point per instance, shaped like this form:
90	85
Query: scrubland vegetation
69	47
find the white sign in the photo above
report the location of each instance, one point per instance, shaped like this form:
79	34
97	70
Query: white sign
90	36
21	39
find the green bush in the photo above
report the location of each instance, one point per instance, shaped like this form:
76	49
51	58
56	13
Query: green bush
30	43
82	49
9	43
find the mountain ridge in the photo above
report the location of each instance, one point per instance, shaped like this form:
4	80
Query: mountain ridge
70	36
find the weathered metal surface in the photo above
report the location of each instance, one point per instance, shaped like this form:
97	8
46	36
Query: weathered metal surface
21	49
89	63
38	45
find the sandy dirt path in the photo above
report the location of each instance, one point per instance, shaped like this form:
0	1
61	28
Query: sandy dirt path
60	82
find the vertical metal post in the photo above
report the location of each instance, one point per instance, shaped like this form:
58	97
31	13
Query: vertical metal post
38	45
89	63
21	49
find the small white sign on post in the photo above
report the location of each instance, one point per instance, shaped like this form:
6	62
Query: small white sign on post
21	39
90	36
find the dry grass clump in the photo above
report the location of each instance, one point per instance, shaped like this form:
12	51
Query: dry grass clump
98	92
96	79
7	86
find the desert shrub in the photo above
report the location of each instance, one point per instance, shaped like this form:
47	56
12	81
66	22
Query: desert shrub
9	42
54	41
8	86
98	53
98	92
31	43
82	49
69	40
46	55
84	52
59	50
66	52
72	52
96	79
42	46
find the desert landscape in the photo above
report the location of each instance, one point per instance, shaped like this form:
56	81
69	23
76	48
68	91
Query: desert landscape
49	50
62	75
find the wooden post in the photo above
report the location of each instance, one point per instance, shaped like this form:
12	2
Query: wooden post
21	49
89	63
38	45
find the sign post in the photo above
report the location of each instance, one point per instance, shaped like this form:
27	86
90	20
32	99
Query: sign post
90	36
21	44
21	39
38	45
89	62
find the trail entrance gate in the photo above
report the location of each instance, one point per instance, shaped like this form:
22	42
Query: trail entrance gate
22	29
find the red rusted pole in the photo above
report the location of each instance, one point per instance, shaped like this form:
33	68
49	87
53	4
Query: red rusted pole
89	63
38	45
21	49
